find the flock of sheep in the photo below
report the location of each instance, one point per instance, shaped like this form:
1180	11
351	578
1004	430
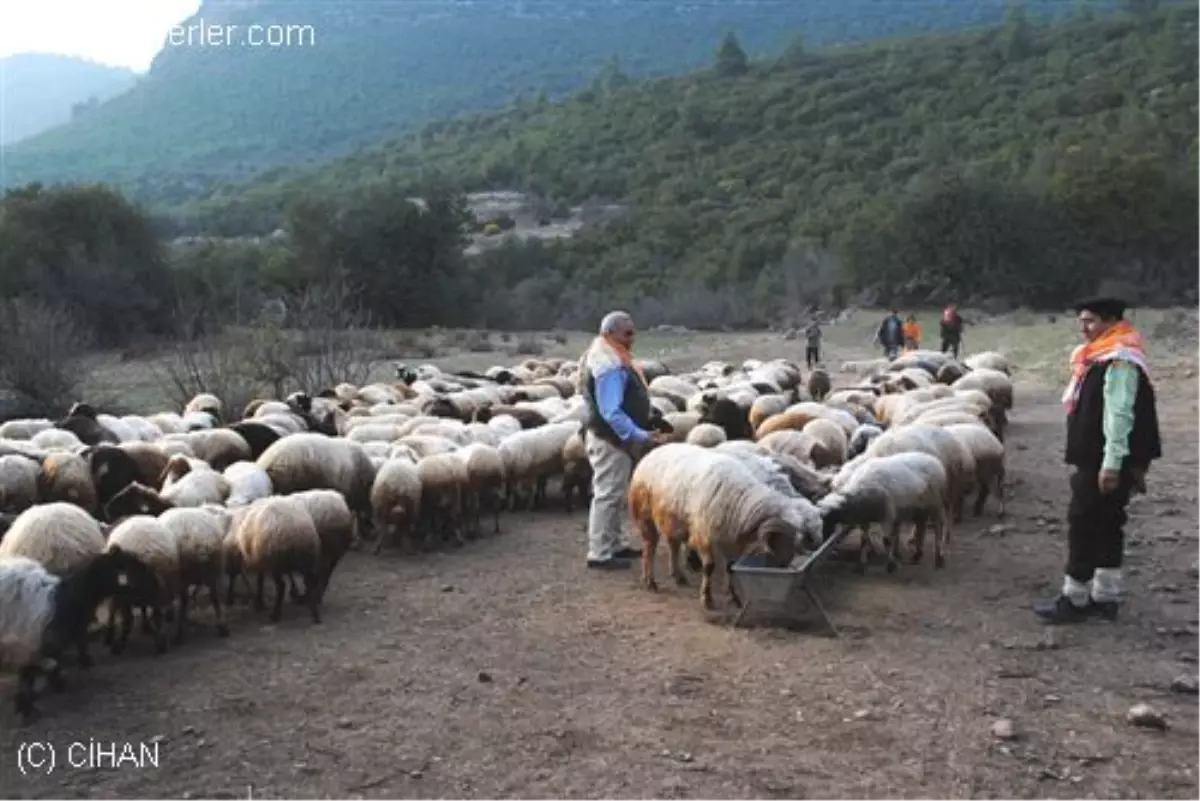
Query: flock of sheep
141	511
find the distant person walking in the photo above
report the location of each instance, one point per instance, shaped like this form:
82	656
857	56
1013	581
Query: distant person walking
1112	437
812	344
912	333
952	329
618	421
890	335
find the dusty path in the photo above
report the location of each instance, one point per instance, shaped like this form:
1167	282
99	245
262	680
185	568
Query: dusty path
506	669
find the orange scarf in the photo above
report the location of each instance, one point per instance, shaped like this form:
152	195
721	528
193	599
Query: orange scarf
1122	341
624	355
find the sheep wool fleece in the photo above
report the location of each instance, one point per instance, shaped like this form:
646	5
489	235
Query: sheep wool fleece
611	469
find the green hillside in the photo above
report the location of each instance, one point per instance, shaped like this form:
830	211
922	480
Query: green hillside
1027	161
373	68
42	90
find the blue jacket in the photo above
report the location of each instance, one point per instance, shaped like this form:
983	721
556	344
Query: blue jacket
610	391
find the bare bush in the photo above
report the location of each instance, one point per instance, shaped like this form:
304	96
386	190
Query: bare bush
335	341
224	365
42	351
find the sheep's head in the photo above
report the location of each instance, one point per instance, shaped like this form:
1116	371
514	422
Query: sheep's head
777	540
177	467
300	401
82	409
327	393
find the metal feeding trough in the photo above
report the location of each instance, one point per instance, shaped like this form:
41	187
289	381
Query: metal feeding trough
783	588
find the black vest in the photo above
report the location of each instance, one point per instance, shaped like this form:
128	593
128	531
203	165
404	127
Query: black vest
1085	426
636	404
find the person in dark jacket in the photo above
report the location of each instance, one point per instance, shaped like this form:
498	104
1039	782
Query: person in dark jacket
618	427
952	328
1112	437
891	334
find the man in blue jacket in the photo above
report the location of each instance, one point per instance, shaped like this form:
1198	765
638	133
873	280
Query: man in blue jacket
617	430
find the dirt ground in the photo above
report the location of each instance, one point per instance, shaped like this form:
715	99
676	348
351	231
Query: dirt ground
505	668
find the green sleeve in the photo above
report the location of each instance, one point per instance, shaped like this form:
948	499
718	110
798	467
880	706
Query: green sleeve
1120	389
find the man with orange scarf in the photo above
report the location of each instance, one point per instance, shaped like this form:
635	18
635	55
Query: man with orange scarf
618	424
1112	437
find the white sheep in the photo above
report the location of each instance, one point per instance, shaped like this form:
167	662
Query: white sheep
42	613
18	483
530	457
313	461
396	501
485	482
988	452
706	435
200	536
247	483
59	535
278	536
335	527
711	502
890	490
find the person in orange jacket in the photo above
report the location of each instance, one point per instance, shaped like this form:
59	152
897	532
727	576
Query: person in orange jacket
912	333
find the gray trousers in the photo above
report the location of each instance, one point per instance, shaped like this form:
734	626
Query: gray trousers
611	469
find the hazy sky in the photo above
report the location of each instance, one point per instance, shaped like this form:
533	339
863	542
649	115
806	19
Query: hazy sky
124	33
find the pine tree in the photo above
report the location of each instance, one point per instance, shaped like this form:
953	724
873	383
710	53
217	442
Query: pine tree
731	58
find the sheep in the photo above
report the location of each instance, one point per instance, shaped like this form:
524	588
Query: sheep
710	502
313	461
18	483
396	501
195	487
277	535
247	483
59	535
42	613
335	527
146	540
24	428
530	457
890	490
830	438
706	435
205	402
66	476
796	444
220	447
443	478
819	384
727	414
990	360
577	471
988	451
485	481
995	383
258	435
765	406
864	435
114	467
54	438
200	536
937	442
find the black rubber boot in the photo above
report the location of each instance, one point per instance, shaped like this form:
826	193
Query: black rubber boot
1060	611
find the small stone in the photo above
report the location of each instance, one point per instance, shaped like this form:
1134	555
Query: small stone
1051	698
344	723
998	529
684	757
485	677
862	714
1194	570
158	738
1185	684
1003	729
415	774
447	588
1146	716
189	729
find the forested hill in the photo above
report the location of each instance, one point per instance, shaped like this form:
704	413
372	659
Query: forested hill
371	68
42	90
1028	161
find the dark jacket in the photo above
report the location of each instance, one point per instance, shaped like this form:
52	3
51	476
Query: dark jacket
952	328
1085	425
891	331
636	404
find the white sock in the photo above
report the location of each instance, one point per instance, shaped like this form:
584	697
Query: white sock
1106	586
1076	591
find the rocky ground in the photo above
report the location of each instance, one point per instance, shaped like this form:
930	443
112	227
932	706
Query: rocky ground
507	669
